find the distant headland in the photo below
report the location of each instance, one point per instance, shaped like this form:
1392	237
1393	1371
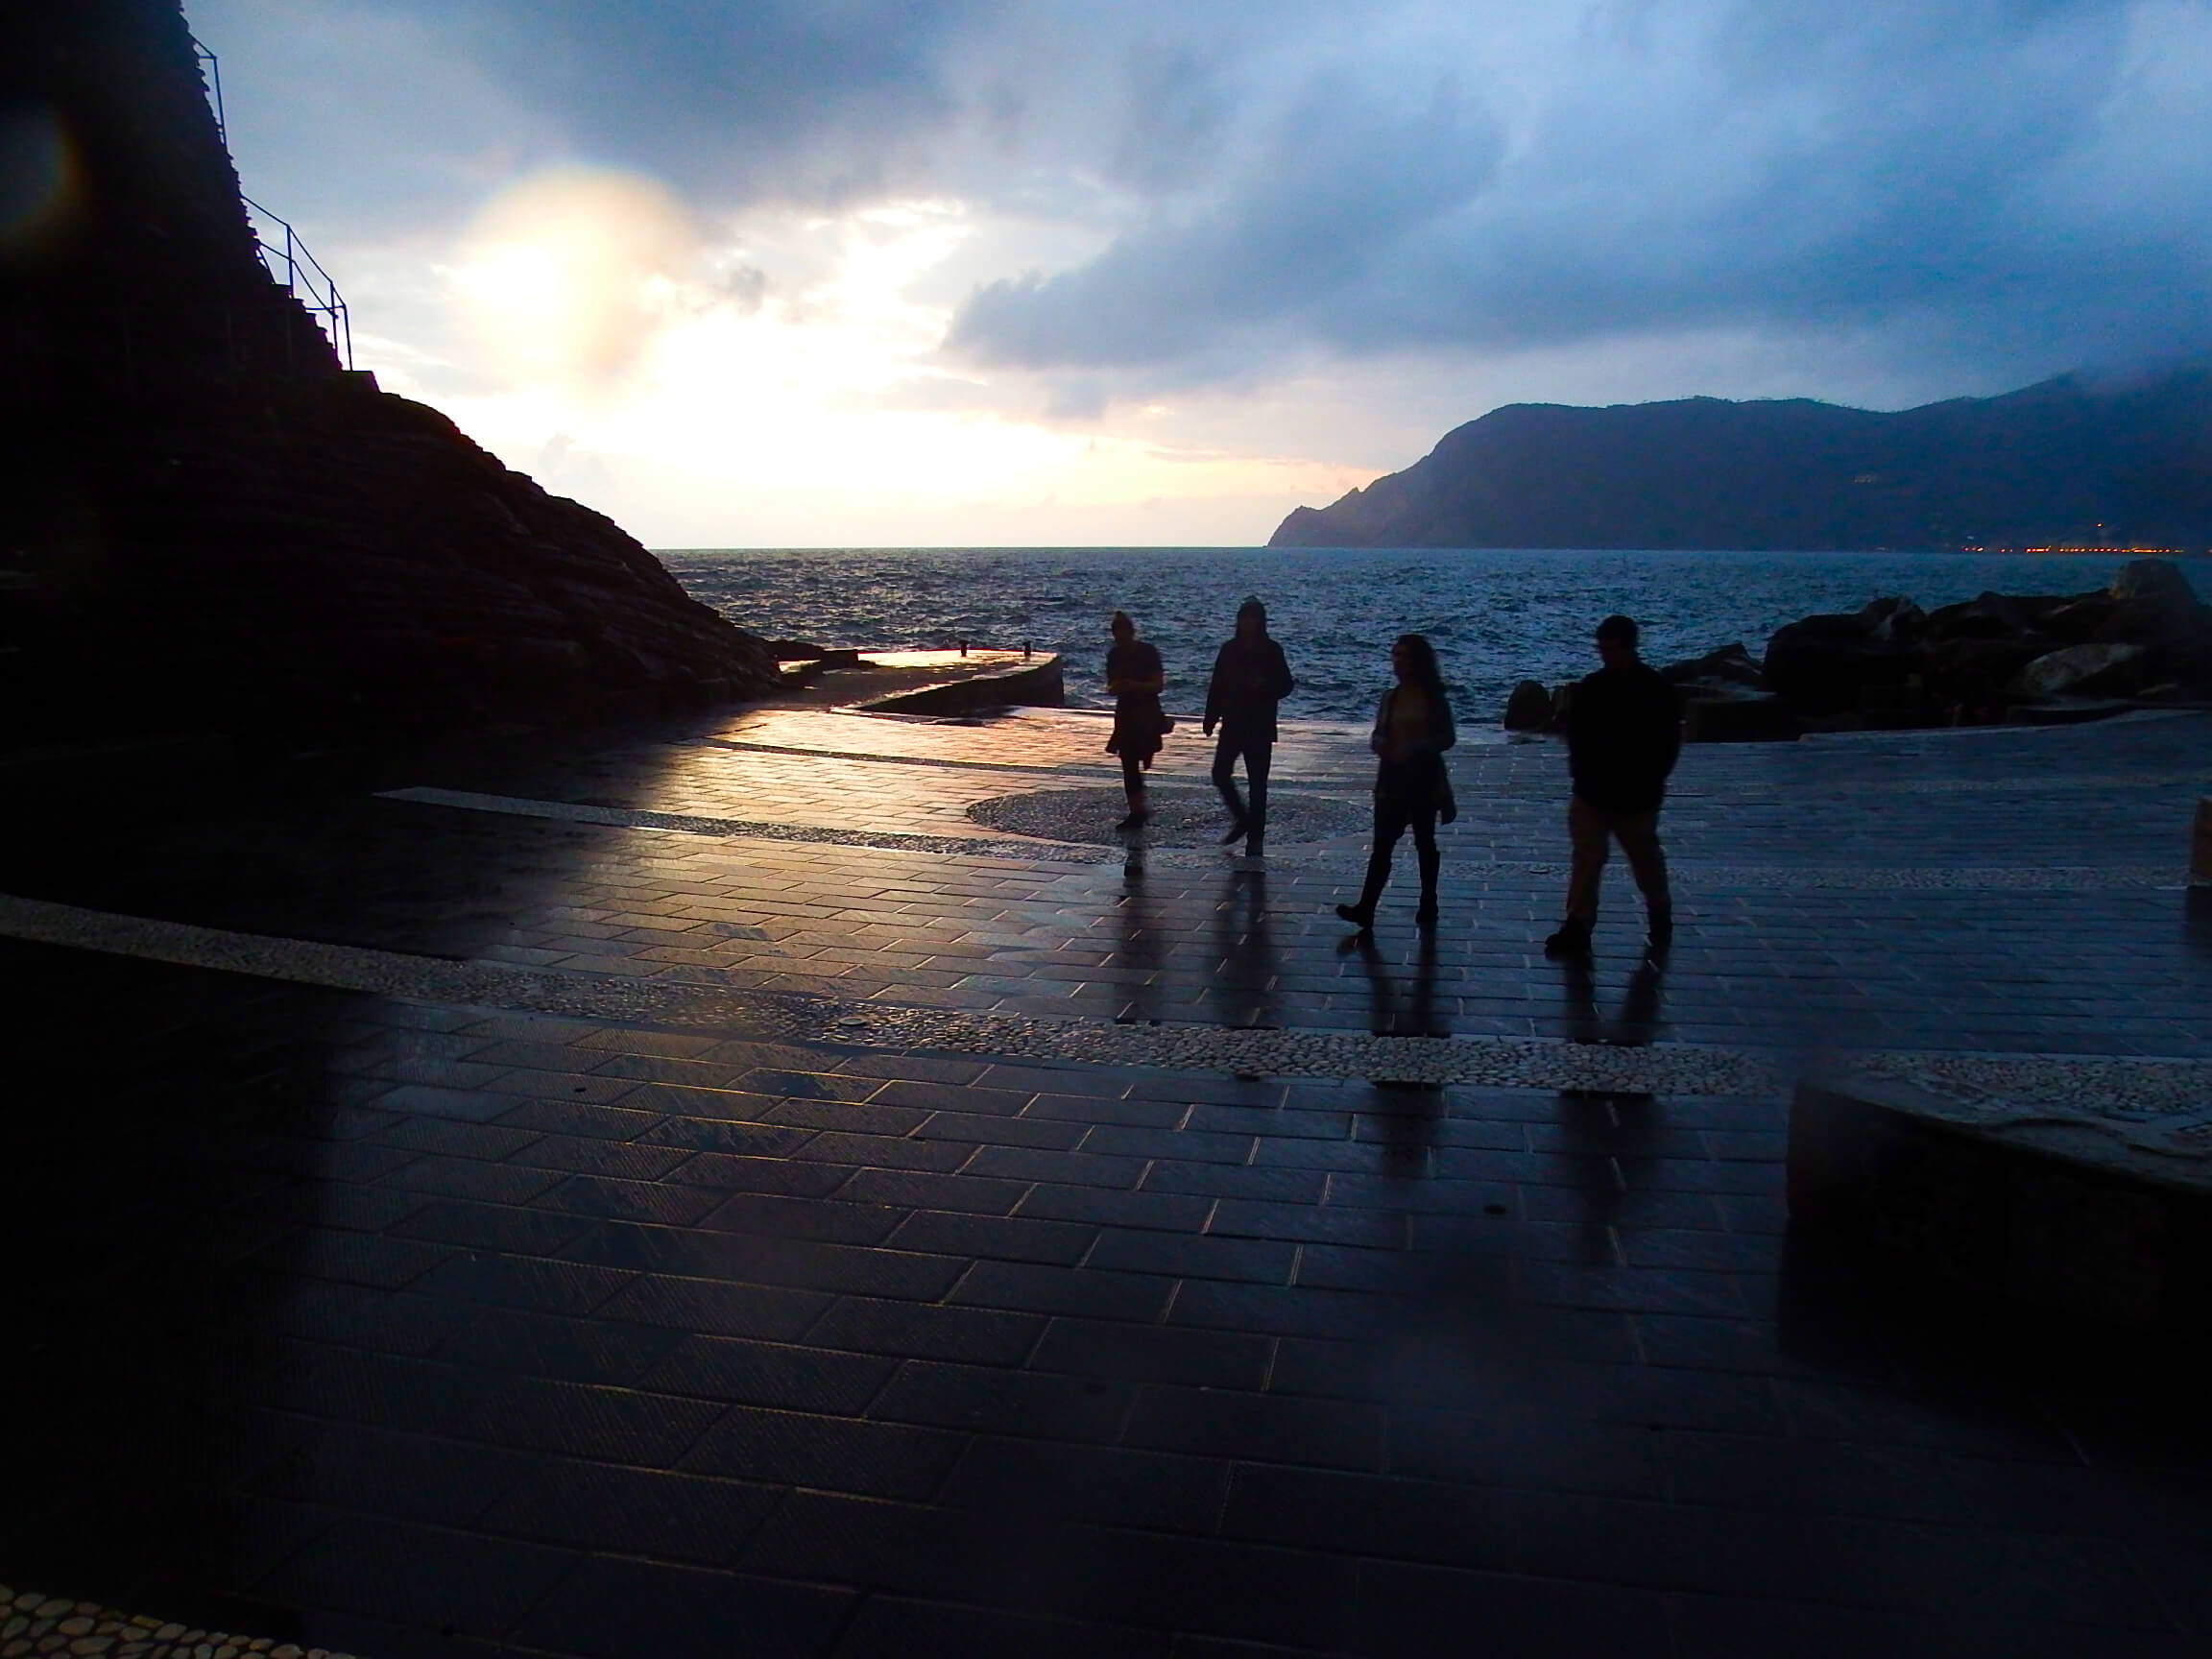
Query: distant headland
2067	465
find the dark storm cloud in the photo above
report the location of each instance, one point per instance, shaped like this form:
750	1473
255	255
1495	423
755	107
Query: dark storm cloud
1333	194
1967	177
2010	187
763	98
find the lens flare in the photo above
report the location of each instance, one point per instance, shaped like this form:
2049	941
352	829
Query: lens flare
36	175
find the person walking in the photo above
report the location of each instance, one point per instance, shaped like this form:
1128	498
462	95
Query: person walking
1136	677
1412	729
1250	678
1624	736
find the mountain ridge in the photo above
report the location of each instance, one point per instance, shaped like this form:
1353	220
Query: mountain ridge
2063	461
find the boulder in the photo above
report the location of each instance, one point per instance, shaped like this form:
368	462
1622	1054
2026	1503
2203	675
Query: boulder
1991	616
1530	708
1730	665
2012	617
2077	621
2157	580
2173	625
1893	621
1821	665
1973	674
2082	671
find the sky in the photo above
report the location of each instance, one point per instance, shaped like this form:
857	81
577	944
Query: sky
920	272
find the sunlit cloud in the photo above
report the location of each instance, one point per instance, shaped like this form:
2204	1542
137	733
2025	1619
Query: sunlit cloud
781	357
568	274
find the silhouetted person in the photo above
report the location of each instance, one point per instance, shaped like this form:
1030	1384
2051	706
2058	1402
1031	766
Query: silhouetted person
1135	675
1412	729
1250	678
1624	734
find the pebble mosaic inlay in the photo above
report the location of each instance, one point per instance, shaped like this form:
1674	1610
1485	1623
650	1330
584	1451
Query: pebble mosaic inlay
34	1623
1180	817
2124	1090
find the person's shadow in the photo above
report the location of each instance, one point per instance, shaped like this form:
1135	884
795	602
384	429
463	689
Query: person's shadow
1400	1004
1247	968
1139	951
1638	1024
1596	1133
1596	1130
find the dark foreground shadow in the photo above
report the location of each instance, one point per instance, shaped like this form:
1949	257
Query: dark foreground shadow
1637	1024
155	1118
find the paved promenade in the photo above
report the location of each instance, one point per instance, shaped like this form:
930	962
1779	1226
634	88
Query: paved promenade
800	1185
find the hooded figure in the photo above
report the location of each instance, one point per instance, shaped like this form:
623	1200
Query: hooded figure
1250	678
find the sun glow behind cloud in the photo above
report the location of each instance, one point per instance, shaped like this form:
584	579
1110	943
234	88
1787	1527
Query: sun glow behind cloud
777	378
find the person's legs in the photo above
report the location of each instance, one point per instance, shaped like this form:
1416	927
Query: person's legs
1390	822
1588	834
1225	781
1132	787
1638	834
1431	862
1259	761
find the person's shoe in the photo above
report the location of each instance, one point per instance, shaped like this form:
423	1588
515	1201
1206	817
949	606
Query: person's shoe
1237	832
1359	916
1426	914
1572	939
1135	821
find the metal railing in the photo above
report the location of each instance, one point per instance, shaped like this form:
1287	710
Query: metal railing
304	278
214	70
298	272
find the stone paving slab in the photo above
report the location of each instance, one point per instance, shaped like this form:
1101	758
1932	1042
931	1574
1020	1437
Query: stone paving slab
460	1331
2035	920
2168	1100
441	1230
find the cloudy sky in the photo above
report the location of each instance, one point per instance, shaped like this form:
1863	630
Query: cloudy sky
790	273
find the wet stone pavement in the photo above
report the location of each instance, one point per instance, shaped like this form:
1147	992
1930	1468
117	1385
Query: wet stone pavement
575	1209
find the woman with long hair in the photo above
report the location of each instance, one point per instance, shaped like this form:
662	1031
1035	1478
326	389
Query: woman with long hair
1136	676
1412	729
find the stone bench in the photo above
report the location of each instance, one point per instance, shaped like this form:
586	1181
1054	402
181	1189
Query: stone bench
2065	1210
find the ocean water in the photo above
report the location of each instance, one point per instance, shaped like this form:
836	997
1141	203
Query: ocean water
1495	617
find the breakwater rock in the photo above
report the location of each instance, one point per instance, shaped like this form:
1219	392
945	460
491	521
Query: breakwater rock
2144	639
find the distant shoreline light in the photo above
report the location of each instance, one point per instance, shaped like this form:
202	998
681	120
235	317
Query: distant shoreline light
2085	547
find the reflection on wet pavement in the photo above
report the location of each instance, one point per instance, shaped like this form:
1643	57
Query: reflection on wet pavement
422	1327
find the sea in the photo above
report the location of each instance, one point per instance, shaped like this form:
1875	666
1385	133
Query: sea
1496	617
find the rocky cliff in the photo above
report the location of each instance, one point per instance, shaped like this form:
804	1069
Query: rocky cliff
203	518
2066	461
